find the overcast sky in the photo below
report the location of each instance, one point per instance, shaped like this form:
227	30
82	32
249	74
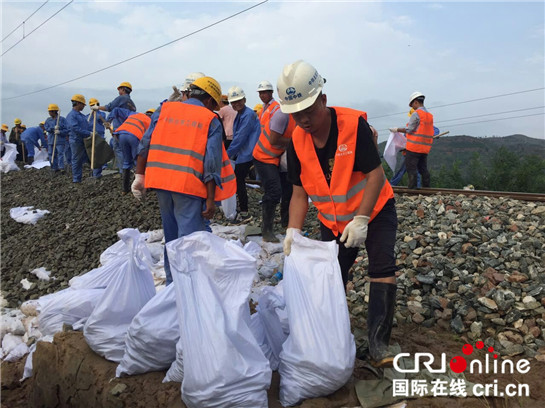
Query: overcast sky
373	55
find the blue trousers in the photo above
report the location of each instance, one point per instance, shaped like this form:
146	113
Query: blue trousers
68	154
380	243
58	160
78	157
129	147
114	143
181	216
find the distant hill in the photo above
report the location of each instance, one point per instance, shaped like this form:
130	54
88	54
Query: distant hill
446	150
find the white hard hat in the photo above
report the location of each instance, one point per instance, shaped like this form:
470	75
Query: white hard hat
264	86
415	95
189	80
235	93
298	86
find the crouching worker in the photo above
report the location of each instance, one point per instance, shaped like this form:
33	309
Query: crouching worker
333	160
182	157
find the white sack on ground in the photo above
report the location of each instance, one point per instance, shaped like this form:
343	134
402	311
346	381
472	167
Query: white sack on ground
222	362
151	339
112	260
129	290
271	309
17	353
318	356
7	162
27	215
69	306
42	274
27	372
396	142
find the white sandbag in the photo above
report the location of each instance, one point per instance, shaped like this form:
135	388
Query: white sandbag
151	339
17	353
272	312
176	371
27	372
129	290
229	207
318	356
112	260
222	362
256	326
12	322
9	342
27	215
7	162
69	306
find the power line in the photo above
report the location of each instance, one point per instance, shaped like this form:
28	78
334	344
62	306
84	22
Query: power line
66	5
35	11
490	114
470	100
484	121
143	53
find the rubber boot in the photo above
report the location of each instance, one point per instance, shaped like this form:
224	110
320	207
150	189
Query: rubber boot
380	317
426	179
30	160
412	181
267	223
284	214
126	181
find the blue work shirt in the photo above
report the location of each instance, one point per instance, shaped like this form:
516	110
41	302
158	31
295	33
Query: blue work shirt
78	126
32	135
213	153
49	126
100	126
246	131
122	101
119	115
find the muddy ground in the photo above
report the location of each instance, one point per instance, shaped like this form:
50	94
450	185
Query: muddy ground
83	222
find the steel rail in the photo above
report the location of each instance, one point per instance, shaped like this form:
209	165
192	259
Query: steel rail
451	191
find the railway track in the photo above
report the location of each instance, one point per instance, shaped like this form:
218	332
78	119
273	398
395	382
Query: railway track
452	191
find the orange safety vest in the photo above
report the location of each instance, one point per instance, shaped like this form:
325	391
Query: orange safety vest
136	125
338	202
264	151
422	139
177	149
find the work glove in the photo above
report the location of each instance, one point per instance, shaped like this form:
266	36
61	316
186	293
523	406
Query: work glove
57	127
94	107
289	239
137	187
176	95
57	132
393	129
355	232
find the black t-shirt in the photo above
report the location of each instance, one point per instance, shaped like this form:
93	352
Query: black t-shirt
367	156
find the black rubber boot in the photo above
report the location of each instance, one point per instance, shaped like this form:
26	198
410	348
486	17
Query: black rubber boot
126	181
284	214
412	181
380	317
426	179
30	160
267	223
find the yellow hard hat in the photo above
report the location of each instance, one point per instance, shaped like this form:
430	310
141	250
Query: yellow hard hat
42	123
258	107
152	110
23	126
93	101
17	121
411	112
126	85
78	98
210	86
5	127
52	107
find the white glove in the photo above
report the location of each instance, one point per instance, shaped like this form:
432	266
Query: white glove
289	239
137	188
57	132
176	94
94	107
57	127
355	232
393	129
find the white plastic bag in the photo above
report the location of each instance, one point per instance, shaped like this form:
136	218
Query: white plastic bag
128	291
27	215
222	362
151	339
396	142
27	372
318	356
7	162
68	306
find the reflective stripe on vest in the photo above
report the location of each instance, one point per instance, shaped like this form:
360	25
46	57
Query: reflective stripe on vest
264	151
136	125
177	149
338	202
422	139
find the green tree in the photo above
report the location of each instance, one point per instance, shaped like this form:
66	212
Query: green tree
476	173
504	163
